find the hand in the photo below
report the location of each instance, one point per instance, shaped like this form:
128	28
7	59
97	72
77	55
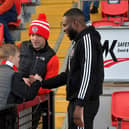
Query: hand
36	77
27	81
78	116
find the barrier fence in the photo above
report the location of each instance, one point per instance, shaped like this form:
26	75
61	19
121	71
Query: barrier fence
20	116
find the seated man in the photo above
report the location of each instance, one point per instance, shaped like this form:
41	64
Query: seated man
8	14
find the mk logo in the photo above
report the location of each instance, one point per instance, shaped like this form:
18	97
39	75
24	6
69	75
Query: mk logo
109	50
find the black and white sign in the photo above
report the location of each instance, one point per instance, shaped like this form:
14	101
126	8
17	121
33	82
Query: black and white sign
115	43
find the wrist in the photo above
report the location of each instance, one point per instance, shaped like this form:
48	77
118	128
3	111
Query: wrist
78	107
79	102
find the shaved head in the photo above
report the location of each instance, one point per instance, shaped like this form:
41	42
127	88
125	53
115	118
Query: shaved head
75	14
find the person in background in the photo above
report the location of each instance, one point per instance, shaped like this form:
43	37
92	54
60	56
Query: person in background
95	7
86	10
84	74
37	57
8	14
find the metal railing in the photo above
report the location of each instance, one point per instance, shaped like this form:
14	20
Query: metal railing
20	116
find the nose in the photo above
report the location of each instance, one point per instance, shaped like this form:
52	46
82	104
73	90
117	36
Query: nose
64	29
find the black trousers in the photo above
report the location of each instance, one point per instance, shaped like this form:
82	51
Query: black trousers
8	118
39	111
90	110
5	18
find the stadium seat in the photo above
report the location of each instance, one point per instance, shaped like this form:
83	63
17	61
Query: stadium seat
120	109
115	12
1	33
106	23
18	8
25	1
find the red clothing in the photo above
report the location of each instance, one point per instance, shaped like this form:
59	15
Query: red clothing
5	5
6	62
52	70
50	66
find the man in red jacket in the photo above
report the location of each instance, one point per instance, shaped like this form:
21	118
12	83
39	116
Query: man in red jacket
8	14
37	57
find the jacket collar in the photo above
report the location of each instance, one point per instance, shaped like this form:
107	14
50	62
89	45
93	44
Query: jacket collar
8	63
86	30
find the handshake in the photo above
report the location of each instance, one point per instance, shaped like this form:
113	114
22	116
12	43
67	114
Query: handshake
32	79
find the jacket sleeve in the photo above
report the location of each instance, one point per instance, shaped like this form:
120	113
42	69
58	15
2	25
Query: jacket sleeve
21	90
85	50
52	70
4	7
55	82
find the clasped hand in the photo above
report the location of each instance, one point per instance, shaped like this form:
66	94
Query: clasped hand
32	79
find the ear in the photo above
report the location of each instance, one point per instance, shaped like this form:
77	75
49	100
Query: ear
75	22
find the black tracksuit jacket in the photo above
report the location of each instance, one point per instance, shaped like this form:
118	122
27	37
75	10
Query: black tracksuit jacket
85	70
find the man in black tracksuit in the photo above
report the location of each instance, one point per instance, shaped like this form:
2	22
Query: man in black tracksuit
85	71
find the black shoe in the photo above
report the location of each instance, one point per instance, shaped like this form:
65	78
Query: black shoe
94	10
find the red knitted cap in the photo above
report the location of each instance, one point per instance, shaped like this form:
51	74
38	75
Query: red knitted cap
40	26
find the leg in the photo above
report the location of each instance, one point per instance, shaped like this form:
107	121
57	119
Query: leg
8	118
38	111
5	18
45	114
7	35
11	117
90	110
2	120
96	4
46	111
36	115
95	7
86	10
